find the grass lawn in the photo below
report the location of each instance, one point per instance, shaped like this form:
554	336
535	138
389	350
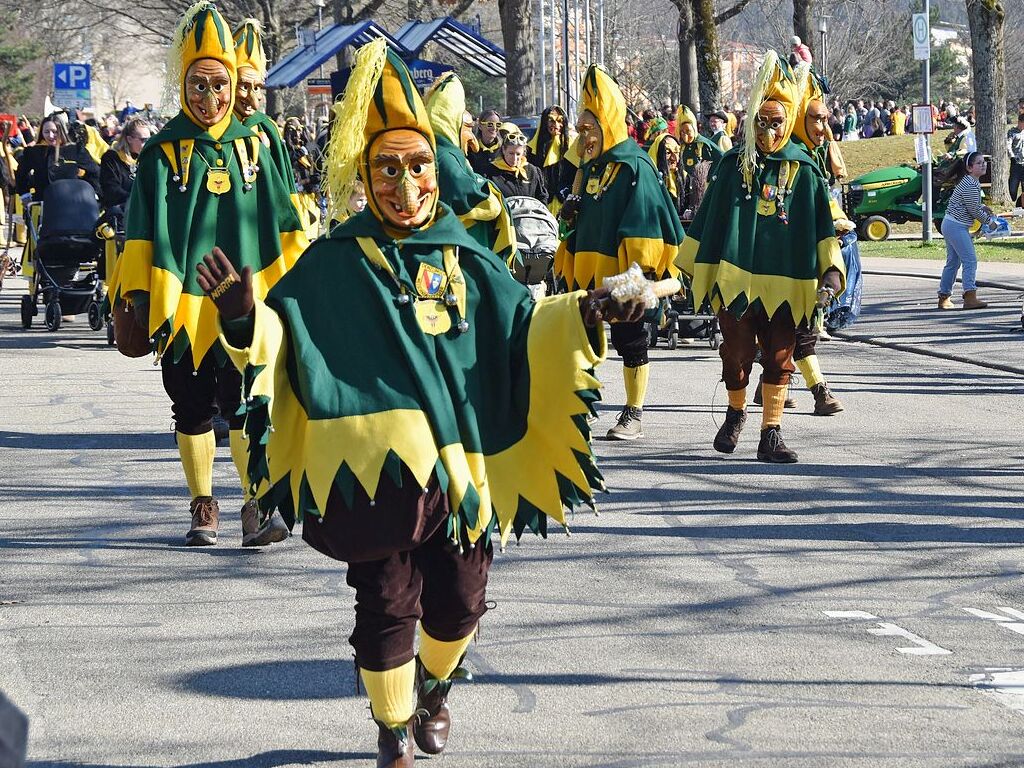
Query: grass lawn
1006	250
869	154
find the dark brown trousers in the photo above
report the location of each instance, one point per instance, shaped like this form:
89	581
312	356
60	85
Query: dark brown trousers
196	395
777	337
433	583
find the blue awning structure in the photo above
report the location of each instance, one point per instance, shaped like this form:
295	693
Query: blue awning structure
456	37
294	67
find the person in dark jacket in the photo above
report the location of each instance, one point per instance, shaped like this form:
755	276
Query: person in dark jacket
117	168
54	157
510	171
488	140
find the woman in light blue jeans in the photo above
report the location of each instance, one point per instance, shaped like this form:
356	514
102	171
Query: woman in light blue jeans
964	208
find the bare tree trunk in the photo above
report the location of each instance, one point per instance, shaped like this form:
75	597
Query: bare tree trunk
688	93
802	22
517	36
709	59
985	18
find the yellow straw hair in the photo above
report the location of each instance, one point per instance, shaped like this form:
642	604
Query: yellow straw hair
748	157
172	86
347	141
771	82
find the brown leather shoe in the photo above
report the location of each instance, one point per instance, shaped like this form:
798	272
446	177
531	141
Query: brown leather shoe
433	719
259	531
203	532
394	750
944	302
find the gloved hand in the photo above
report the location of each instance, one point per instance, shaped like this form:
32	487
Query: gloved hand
598	306
830	285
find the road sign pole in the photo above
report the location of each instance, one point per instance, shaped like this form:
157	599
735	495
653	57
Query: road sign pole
926	180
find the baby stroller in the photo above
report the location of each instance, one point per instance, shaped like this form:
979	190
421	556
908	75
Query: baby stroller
537	240
676	319
65	257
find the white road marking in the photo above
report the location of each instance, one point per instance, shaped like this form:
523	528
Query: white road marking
849	615
921	646
1004	685
1007	621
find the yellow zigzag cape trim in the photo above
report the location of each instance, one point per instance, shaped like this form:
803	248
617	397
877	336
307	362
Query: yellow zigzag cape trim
559	355
195	316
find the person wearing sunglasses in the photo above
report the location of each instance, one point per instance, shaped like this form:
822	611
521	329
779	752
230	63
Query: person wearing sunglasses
550	150
488	127
512	173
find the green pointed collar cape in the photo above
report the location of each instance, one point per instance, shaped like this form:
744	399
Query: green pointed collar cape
168	230
264	127
625	215
740	251
476	201
342	386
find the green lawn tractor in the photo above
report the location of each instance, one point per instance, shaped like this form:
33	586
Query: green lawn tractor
887	196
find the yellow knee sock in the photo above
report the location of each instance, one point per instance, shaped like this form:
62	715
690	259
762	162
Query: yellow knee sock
197	452
737	398
240	456
439	657
774	398
636	384
391	693
810	370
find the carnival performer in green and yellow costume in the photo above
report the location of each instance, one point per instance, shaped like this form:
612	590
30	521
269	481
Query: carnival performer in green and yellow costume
250	93
665	154
440	405
623	214
760	247
813	132
201	182
475	200
696	149
552	150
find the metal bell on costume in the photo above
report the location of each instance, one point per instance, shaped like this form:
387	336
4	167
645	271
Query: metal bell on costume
463	326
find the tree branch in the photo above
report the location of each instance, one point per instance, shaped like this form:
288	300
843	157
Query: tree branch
729	13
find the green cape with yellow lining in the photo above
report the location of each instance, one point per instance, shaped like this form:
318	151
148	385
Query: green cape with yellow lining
764	231
196	188
382	377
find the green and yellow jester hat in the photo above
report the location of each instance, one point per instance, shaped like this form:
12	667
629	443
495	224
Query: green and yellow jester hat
248	39
775	81
446	107
380	96
202	33
602	98
684	116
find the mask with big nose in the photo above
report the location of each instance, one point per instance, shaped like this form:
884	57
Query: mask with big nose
209	91
770	127
816	122
403	179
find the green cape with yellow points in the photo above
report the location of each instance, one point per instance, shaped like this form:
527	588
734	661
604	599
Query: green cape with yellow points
168	231
344	387
625	215
742	251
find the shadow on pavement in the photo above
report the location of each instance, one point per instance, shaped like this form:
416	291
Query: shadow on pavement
277	758
305	679
85	441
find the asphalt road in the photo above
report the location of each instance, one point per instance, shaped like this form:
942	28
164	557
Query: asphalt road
692	623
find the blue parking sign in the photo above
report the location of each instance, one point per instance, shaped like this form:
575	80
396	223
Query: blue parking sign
72	77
